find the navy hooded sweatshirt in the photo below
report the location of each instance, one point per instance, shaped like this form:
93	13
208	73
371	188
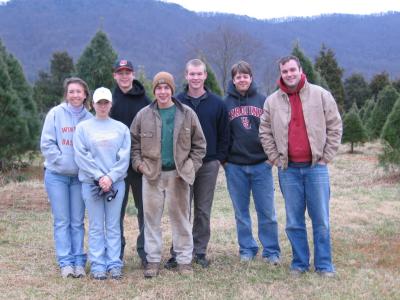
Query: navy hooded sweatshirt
244	121
213	117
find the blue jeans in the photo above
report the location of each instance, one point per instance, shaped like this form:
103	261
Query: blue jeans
307	187
241	179
68	210
104	227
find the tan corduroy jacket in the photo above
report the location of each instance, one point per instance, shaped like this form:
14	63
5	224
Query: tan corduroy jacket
189	142
322	118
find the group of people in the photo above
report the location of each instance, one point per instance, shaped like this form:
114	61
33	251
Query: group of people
169	151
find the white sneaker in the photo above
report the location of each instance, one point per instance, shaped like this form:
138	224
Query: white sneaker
67	271
79	272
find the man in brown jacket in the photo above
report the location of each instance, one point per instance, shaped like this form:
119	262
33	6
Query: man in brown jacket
168	146
300	132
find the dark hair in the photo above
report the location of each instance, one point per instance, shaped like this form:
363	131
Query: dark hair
285	59
70	80
241	67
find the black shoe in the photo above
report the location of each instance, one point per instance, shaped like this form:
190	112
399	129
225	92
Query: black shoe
201	260
171	263
143	263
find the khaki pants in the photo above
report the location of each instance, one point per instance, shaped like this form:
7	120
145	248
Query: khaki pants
175	192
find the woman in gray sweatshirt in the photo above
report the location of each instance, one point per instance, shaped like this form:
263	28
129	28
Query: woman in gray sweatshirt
102	153
61	177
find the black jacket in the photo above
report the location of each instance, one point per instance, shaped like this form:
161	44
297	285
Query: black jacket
126	106
244	121
213	116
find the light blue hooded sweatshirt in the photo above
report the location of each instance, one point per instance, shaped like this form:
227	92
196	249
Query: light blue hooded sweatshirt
56	142
102	147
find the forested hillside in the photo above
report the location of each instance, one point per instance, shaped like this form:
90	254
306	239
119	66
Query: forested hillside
160	35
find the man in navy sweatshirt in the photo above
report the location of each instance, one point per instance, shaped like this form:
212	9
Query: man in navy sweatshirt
212	113
248	170
129	97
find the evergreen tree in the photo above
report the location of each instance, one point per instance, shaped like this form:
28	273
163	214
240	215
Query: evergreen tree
353	129
356	90
396	84
391	137
18	118
61	67
313	76
329	69
48	90
366	111
386	99
306	63
95	65
25	96
378	82
211	82
147	83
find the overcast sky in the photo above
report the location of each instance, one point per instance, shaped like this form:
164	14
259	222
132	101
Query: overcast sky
267	9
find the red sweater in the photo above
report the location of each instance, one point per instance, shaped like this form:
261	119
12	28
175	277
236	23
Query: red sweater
299	149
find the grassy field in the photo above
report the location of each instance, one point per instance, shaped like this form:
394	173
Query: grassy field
365	221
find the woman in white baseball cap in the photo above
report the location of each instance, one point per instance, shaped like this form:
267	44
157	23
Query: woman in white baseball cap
102	152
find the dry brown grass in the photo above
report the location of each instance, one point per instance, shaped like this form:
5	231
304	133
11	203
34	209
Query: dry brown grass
365	221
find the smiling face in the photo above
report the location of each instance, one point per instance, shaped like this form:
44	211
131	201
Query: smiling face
124	79
102	108
163	94
242	82
196	76
290	73
75	94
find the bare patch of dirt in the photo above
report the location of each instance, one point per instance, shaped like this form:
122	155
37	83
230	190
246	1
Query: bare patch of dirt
30	172
28	196
380	253
389	179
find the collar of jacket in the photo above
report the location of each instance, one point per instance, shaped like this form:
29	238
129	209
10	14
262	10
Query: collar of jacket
202	97
301	91
178	104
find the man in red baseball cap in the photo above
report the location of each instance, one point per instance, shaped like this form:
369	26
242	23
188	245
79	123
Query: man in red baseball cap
129	97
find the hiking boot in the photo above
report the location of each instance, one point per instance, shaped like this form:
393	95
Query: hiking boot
171	263
99	275
245	258
272	261
297	272
79	271
201	260
116	273
152	269
326	274
185	269
67	272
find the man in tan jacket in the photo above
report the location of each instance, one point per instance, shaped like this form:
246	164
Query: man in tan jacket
168	146
300	132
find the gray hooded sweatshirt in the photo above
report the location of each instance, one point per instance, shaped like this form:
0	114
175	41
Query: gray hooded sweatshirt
56	142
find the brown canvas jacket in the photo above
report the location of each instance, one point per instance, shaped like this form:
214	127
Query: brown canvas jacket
189	142
322	118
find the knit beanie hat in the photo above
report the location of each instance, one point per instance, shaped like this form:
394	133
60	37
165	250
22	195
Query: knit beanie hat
164	77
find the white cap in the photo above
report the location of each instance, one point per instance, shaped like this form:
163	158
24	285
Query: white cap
102	93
